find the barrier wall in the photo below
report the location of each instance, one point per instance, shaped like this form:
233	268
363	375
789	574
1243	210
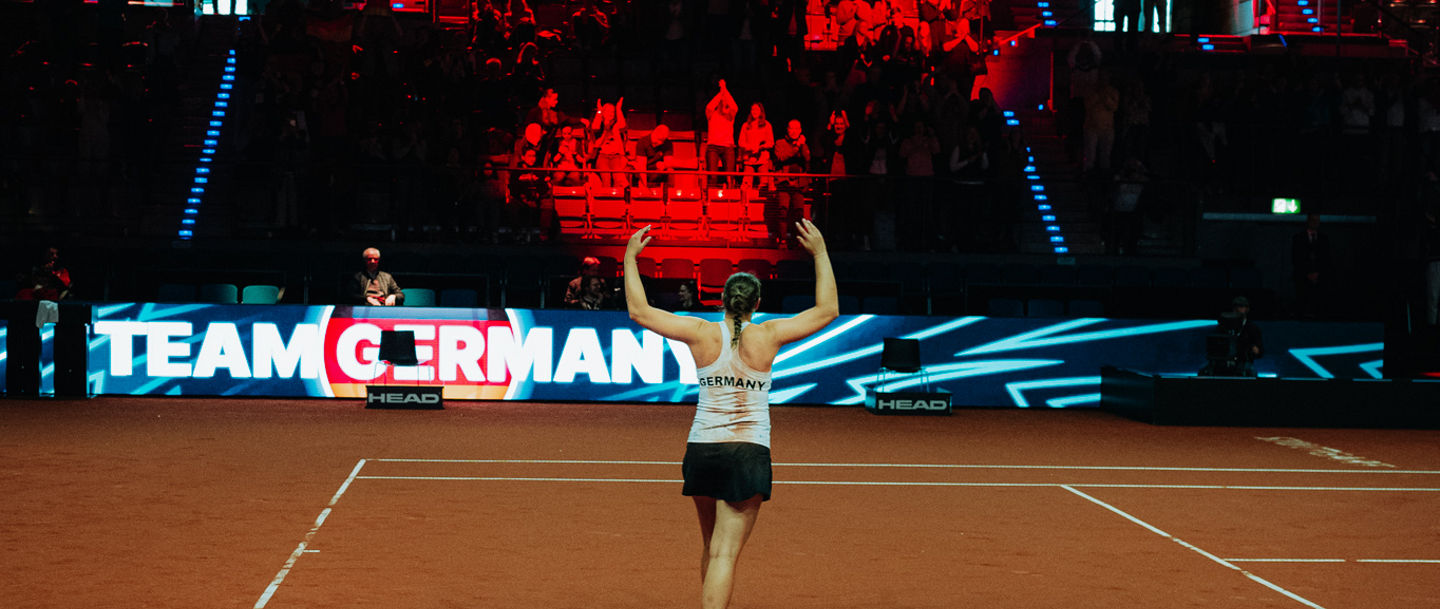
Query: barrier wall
562	355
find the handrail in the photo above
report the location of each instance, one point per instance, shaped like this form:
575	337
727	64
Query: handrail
1403	23
1030	31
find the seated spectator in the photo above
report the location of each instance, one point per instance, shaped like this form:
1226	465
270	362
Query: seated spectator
48	280
528	188
373	286
590	26
688	297
597	295
575	290
653	153
570	156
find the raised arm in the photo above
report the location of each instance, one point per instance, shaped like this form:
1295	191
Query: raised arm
664	323
827	302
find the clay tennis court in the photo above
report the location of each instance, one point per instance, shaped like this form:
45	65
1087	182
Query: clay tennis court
184	503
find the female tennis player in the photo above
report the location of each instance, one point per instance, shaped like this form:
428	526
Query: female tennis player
727	457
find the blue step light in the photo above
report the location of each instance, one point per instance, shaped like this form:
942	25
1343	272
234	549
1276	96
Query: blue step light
1037	188
1062	250
1043	207
186	233
1052	228
1047	218
1057	239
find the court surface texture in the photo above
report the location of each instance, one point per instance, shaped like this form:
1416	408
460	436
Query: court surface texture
282	504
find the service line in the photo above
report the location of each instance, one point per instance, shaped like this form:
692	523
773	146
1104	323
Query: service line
1225	563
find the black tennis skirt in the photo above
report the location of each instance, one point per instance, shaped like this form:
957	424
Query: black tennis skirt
728	471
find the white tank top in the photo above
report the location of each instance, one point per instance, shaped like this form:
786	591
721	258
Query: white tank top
734	399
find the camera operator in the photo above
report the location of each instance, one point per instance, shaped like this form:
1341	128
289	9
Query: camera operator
1249	345
1232	348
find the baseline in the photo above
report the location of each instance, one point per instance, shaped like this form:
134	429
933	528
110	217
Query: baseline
1138	468
305	541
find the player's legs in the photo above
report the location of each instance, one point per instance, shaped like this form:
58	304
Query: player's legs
732	526
705	509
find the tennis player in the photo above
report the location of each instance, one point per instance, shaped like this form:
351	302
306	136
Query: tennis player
727	457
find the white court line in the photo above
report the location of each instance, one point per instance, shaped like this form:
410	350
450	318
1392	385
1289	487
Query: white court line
938	466
1256	578
1398	561
901	483
301	549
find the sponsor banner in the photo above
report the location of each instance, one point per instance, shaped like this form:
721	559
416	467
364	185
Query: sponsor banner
566	355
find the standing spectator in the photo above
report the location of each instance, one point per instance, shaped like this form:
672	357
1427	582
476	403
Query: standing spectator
1154	16
1427	124
757	139
919	151
792	155
48	280
1124	218
608	129
1127	22
1392	157
1313	268
654	153
720	133
1357	110
1084	61
1100	106
549	118
1134	133
844	20
373	286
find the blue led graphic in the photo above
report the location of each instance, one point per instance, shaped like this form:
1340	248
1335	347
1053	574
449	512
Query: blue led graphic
211	140
1307	356
982	361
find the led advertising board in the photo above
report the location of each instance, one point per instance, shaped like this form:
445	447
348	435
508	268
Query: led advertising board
589	356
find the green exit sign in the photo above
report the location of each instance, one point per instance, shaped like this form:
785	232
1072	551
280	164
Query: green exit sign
1284	206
